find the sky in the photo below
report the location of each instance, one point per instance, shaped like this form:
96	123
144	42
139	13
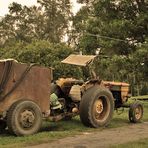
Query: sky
5	3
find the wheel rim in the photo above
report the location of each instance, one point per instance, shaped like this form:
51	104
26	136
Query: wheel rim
138	112
101	108
27	119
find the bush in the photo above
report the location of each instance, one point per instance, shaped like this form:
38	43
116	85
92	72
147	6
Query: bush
44	53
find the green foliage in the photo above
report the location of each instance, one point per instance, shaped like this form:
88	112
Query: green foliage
43	53
120	29
47	21
114	68
141	60
118	24
144	90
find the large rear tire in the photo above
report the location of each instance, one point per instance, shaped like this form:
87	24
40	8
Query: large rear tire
96	107
24	118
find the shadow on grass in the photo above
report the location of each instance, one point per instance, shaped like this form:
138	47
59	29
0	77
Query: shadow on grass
4	133
55	130
70	125
76	125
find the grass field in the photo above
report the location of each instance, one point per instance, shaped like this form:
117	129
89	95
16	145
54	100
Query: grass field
142	143
55	130
145	97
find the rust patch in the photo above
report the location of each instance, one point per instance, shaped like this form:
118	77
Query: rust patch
35	86
118	86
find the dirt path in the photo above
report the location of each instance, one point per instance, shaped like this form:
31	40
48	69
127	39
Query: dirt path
101	139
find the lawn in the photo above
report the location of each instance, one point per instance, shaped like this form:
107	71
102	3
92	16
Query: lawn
55	130
142	143
145	97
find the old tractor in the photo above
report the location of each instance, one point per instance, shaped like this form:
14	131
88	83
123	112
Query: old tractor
94	100
27	96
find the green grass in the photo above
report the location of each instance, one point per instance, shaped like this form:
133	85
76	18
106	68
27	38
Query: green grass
55	130
140	97
50	131
142	143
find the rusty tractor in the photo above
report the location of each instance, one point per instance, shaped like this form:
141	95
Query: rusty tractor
27	96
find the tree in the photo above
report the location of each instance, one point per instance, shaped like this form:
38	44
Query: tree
22	23
120	29
57	15
116	26
48	21
43	53
140	59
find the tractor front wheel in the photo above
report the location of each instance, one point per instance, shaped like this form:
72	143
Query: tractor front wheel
135	112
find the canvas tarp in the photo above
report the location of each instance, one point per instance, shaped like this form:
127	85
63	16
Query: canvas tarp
80	60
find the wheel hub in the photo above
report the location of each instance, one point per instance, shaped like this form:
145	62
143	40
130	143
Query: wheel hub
138	113
99	106
27	118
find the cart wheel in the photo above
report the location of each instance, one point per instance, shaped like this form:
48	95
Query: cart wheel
24	118
135	112
96	107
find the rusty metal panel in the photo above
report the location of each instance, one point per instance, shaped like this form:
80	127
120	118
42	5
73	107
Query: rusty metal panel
118	86
35	86
115	83
80	60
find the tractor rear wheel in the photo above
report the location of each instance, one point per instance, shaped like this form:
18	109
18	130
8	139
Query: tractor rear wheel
96	107
135	112
24	118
